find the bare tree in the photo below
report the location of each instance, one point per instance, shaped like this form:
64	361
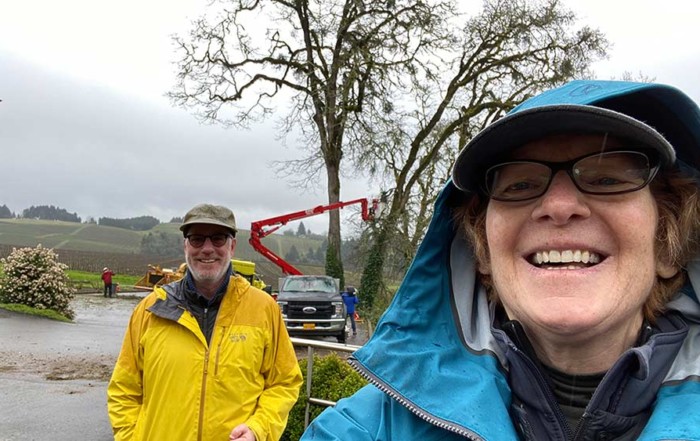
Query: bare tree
333	59
511	50
390	88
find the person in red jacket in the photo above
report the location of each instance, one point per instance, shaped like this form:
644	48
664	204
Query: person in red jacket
107	279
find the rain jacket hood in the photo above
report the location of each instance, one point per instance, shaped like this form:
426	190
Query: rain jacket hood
436	355
434	346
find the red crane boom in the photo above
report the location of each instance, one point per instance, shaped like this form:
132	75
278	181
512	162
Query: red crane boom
265	227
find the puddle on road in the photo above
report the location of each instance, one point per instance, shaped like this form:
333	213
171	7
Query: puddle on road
100	310
59	351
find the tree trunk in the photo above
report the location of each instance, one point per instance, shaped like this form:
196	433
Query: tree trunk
334	263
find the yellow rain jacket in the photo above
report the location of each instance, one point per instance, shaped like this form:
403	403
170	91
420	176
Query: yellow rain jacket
169	384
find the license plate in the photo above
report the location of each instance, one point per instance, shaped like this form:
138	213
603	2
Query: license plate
309	325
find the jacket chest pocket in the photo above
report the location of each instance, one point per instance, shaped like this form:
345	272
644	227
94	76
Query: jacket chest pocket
239	352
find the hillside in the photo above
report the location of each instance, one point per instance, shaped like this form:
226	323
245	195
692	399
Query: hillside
68	235
90	247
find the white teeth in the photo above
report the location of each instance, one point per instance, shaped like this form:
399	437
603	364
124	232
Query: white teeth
568	267
566	256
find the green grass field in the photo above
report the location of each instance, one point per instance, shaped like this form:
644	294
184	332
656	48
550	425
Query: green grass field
24	309
85	279
69	235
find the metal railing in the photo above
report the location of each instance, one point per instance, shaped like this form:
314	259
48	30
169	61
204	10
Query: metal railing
311	345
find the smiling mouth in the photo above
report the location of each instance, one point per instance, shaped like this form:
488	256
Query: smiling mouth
565	259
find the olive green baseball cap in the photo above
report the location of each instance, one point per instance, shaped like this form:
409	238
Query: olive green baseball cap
210	214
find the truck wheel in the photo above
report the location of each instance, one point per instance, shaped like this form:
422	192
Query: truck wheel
341	337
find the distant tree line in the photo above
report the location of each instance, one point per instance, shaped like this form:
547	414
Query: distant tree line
141	223
312	255
349	249
49	212
5	213
302	231
162	244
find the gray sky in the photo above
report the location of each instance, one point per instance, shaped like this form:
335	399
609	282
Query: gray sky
84	124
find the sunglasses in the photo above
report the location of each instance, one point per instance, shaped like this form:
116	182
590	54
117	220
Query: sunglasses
198	240
607	173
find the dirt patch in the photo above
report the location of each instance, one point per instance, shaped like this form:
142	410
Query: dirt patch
71	367
58	368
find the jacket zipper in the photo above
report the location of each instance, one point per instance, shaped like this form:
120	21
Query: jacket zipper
462	431
516	340
204	386
582	427
544	386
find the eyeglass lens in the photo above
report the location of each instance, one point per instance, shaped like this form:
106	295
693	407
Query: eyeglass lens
198	240
601	173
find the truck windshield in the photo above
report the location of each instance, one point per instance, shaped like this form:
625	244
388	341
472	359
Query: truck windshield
310	285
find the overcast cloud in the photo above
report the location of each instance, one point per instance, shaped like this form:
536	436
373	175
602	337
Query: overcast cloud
84	124
86	149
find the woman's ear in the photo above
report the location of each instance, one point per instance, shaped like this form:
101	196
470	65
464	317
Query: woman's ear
665	270
483	266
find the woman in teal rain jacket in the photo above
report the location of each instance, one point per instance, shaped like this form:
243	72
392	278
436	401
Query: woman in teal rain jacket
554	294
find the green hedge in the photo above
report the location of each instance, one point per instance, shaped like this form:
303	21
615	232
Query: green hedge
333	379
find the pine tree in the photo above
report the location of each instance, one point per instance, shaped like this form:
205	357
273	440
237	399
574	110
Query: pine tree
5	213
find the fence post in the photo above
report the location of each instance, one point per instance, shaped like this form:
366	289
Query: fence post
311	344
309	374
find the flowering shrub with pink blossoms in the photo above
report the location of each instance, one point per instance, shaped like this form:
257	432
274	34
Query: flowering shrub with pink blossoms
34	277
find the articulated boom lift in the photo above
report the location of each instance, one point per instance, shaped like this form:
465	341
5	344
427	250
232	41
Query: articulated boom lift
265	227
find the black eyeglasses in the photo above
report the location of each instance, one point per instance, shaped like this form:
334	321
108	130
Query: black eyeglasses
198	240
607	173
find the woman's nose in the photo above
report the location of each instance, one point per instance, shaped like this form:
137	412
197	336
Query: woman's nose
562	201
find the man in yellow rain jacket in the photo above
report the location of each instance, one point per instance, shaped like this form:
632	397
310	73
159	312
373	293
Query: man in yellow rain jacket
207	357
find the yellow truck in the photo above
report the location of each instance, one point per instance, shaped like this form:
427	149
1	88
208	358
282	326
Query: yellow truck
157	276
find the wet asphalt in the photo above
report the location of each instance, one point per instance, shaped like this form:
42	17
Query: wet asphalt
33	407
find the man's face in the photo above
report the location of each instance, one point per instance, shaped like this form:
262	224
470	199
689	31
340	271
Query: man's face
209	264
606	241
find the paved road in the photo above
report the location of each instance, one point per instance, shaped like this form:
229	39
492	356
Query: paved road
70	407
53	375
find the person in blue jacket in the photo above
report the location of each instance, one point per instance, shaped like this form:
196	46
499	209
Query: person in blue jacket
554	295
350	299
